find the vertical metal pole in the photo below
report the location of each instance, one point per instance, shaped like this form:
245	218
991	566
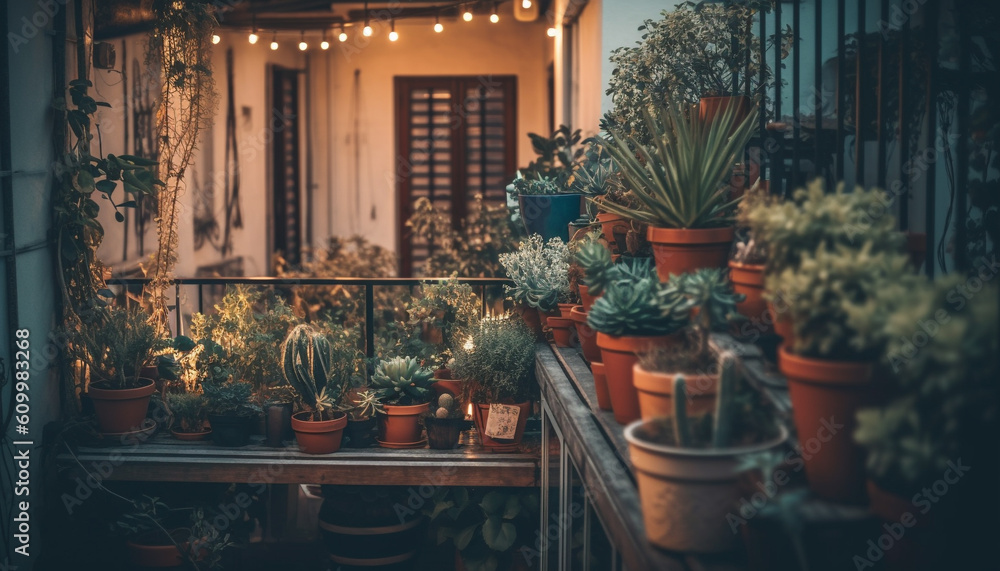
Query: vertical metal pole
860	99
201	299
177	306
904	126
762	115
962	166
545	499
778	176
482	300
931	12
818	87
370	320
586	531
797	67
841	92
883	65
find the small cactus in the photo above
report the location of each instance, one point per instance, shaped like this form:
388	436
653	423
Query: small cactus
724	412
681	429
446	401
442	412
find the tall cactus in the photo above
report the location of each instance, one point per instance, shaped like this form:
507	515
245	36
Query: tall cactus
722	435
305	361
682	429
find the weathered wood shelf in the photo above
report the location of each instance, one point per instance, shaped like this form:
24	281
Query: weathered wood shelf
164	459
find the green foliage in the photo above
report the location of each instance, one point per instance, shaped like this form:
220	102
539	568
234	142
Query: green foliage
152	520
474	249
556	156
499	363
116	343
402	381
942	351
231	398
815	218
365	405
534	186
840	300
310	362
188	411
540	272
485	524
636	308
594	259
690	52
680	177
448	306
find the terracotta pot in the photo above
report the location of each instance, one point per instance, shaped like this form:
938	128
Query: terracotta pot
586	299
443	433
619	355
230	431
908	552
481	415
532	318
191	436
601	386
143	555
781	323
656	392
444	373
710	107
363	532
400	424
565	309
360	433
679	250
586	335
546	315
120	410
686	493
562	331
279	424
748	279
451	386
825	397
615	229
318	436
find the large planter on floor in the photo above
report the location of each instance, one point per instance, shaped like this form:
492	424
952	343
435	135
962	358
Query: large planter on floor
601	386
400	425
619	354
362	529
318	436
549	214
686	493
586	335
825	397
748	279
230	431
121	410
656	392
681	250
481	416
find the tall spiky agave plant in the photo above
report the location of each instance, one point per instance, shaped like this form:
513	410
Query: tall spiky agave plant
305	361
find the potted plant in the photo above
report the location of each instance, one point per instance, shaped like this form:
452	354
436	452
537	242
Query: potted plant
546	208
188	411
680	182
310	364
540	272
487	526
444	423
939	424
499	365
633	316
686	464
841	299
158	536
116	345
231	411
404	389
709	304
748	258
443	310
361	419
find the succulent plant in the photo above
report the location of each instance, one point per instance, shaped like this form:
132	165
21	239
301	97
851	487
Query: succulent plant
540	272
188	411
231	398
306	360
365	405
536	186
446	407
402	381
636	308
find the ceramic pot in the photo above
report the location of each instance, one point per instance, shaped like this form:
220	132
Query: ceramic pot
656	392
601	386
586	335
748	279
532	318
562	331
230	431
615	229
825	397
279	424
679	250
586	299
318	436
120	410
400	424
481	416
191	436
619	354
443	433
549	214
710	107
360	433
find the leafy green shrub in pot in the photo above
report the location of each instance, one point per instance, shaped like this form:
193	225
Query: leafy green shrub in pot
747	259
546	207
231	410
841	300
116	344
404	389
361	418
188	412
444	309
680	181
499	367
540	272
693	463
944	415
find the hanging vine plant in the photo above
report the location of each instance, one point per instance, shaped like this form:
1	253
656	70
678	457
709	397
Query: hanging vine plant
180	46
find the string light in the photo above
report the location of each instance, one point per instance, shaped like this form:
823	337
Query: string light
367	31
274	41
552	32
343	35
216	38
393	36
526	4
324	45
253	37
303	46
467	16
437	24
253	32
494	18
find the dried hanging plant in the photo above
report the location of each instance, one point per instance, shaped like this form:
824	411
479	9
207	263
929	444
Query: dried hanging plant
180	45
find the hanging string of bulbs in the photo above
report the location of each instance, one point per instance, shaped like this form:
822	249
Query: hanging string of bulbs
367	30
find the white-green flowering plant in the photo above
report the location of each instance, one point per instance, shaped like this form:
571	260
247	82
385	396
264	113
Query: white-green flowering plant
540	272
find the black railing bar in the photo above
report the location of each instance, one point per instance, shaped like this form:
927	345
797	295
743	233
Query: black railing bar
201	299
930	20
177	306
841	107
779	159
796	66
904	126
762	116
860	94
883	65
962	165
270	281
370	320
818	86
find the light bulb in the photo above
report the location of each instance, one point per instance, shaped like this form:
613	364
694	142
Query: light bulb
367	31
274	42
552	32
467	16
494	18
526	4
253	38
343	36
324	45
438	27
216	38
303	45
393	36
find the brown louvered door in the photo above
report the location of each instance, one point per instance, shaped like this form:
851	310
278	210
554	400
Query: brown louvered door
287	176
456	138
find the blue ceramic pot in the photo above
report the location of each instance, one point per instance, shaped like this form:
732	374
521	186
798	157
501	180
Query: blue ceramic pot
549	214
